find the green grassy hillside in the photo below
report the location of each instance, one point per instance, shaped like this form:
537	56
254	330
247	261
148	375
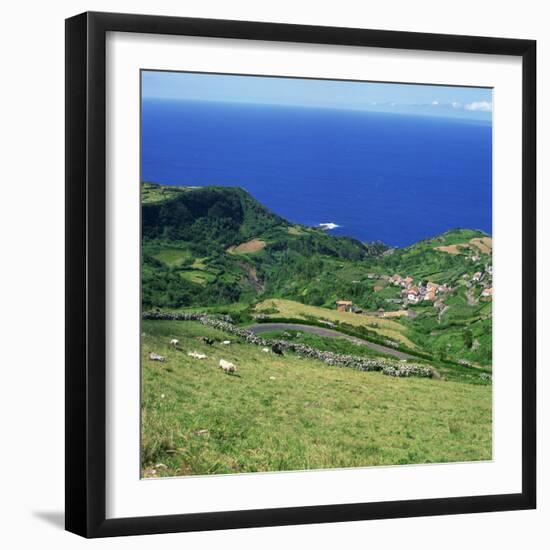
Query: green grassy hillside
288	309
442	259
194	248
217	248
286	413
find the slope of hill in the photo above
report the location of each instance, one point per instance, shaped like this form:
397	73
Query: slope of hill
212	245
217	247
290	413
460	327
444	258
207	217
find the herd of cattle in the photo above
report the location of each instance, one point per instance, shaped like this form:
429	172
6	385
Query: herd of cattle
225	323
225	366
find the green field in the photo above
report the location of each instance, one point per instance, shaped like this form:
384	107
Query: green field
217	250
172	256
216	246
197	276
296	310
287	413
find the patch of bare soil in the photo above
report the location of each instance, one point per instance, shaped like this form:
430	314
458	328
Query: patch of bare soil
252	276
483	244
451	248
246	248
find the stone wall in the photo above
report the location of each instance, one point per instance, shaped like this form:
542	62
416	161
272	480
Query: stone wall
225	324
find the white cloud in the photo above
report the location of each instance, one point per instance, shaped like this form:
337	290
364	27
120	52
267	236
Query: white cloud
456	104
435	102
479	106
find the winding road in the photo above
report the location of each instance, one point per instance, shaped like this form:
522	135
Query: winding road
320	331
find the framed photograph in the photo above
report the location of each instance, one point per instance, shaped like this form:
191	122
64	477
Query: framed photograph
300	274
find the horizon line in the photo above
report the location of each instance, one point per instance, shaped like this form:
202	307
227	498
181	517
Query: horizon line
325	107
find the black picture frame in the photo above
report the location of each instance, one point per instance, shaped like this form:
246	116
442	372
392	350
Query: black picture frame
86	279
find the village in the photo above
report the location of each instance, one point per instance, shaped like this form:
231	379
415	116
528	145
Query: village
425	291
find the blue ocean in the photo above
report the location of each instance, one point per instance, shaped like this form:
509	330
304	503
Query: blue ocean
388	177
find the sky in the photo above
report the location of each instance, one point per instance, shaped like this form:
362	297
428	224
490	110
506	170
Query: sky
414	99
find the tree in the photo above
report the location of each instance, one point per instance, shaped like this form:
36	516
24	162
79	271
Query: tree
468	338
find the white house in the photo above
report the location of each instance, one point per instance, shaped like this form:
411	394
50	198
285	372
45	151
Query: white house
413	295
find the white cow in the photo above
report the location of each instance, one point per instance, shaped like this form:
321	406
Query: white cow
156	357
196	355
226	342
174	343
227	367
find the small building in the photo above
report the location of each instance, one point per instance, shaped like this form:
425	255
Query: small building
344	305
431	295
407	282
477	276
431	286
396	280
413	294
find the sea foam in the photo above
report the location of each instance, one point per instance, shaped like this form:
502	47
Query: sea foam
329	225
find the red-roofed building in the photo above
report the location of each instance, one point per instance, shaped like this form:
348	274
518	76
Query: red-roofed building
344	305
413	294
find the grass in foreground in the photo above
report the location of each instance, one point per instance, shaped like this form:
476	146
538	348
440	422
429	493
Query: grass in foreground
286	413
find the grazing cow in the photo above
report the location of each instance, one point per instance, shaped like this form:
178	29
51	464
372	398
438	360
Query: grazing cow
276	348
174	343
206	340
266	350
227	367
226	342
156	357
196	355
